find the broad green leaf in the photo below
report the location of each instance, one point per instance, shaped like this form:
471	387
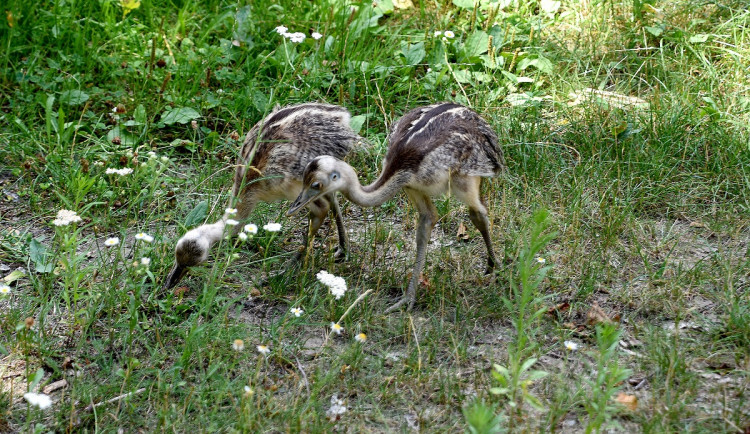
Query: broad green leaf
74	97
139	115
465	4
656	31
698	39
356	123
476	44
126	138
539	62
463	76
13	276
383	7
39	255
527	364
180	115
197	215
413	53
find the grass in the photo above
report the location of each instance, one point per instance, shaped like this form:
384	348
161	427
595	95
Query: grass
626	121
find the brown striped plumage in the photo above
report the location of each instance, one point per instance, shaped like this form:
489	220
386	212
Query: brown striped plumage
432	150
269	168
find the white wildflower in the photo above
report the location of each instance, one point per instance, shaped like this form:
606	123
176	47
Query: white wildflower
361	338
38	399
336	284
232	222
296	37
231	212
248	392
122	172
297	311
448	34
316	35
281	30
251	229
540	260
144	237
242	236
111	242
66	217
570	345
238	345
337	408
145	261
263	349
437	33
336	328
5	289
272	227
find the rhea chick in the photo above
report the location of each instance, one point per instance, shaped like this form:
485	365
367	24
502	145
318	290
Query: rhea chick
269	168
432	150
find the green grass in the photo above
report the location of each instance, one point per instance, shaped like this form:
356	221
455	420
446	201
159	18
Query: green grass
649	202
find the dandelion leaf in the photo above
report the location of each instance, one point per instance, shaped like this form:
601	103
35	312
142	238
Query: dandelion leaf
197	215
181	115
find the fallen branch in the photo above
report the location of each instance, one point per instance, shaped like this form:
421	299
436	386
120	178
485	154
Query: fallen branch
116	398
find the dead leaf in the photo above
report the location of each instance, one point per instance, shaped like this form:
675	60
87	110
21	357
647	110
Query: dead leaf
596	315
558	308
13	276
629	401
461	234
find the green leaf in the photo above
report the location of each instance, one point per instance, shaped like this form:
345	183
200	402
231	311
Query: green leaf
126	138
139	115
356	122
180	115
698	39
413	53
197	215
39	255
462	76
13	276
539	62
465	4
74	97
36	378
476	44
656	31
527	364
537	375
499	390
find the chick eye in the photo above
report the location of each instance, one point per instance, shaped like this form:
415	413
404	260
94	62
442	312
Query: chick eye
334	176
315	185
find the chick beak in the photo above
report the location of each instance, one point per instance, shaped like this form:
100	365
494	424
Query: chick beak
303	199
174	276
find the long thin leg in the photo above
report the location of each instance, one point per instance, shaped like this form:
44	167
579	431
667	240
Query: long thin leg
427	219
480	220
340	229
467	191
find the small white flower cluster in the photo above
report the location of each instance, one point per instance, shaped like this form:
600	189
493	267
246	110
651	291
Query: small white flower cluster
5	289
38	400
337	408
296	37
445	35
152	157
122	172
142	236
272	227
66	217
336	284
